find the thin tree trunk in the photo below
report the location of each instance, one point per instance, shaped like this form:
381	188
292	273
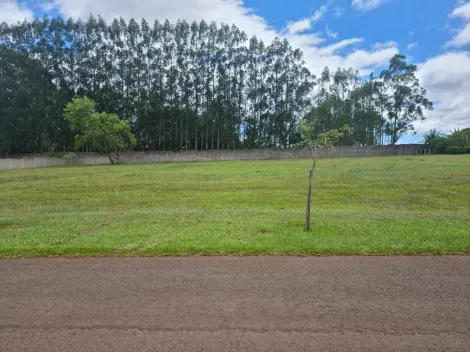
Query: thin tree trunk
207	134
160	128
309	197
176	133
195	137
186	141
218	131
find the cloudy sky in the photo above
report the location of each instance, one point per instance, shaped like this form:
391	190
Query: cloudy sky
363	34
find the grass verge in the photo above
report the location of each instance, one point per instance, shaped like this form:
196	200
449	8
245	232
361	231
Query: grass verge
382	206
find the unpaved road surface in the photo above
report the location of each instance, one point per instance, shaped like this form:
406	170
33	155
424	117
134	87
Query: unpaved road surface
236	304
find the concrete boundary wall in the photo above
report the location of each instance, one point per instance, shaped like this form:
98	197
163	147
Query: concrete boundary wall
28	161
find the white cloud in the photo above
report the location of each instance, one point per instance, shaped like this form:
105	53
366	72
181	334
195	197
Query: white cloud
412	45
319	13
462	11
463	36
48	6
367	5
338	11
330	33
365	61
299	26
330	49
385	45
305	23
11	11
304	41
370	60
447	80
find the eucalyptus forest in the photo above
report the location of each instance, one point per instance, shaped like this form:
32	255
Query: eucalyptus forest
188	86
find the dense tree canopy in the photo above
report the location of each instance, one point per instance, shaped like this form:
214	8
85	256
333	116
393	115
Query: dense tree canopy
102	132
180	86
30	106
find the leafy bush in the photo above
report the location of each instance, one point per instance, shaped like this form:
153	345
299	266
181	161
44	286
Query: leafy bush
103	132
439	145
458	150
457	142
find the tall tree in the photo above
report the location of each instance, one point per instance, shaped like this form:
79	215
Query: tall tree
406	100
195	86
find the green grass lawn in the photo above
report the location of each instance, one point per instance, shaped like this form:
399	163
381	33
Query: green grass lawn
381	205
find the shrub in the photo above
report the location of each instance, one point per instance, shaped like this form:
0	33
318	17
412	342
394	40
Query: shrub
458	150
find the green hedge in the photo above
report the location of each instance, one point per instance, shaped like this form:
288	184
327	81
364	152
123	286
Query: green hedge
458	150
442	145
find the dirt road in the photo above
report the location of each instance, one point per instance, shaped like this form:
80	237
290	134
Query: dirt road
236	304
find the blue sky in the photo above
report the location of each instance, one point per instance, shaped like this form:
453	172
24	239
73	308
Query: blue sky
363	34
425	22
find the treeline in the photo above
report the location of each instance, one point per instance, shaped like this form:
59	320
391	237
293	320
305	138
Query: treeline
456	142
186	86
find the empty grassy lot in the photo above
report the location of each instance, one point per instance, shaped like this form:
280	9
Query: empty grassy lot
381	205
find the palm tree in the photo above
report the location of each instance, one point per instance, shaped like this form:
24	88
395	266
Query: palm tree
431	135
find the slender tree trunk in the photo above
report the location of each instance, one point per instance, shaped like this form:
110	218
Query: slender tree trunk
195	138
309	200
309	197
186	147
176	134
160	128
218	130
207	134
